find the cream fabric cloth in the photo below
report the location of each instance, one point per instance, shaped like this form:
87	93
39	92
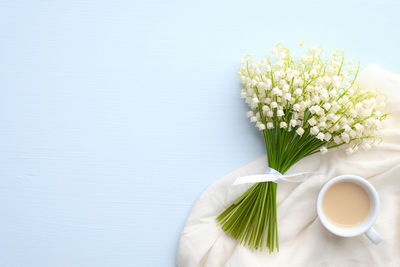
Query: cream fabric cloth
303	240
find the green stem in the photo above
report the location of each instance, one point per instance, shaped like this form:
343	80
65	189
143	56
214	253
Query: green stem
252	218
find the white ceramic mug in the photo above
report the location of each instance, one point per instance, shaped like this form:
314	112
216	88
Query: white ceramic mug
365	227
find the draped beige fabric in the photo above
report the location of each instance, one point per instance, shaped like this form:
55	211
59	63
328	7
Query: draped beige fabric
303	240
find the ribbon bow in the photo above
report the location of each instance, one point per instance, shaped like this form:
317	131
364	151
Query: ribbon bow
272	175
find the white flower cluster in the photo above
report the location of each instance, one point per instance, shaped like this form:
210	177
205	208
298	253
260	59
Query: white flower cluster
312	97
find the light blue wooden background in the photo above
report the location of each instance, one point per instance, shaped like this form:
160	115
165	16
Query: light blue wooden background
116	115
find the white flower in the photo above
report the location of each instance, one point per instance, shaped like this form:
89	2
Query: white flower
346	128
270	125
276	91
270	113
274	105
324	96
314	109
334	128
322	125
313	73
283	124
321	136
298	82
345	137
268	84
311	89
332	93
249	114
316	99
359	127
314	130
352	113
298	92
327	137
293	123
352	134
326	106
278	74
337	139
323	150
280	113
300	131
286	88
253	119
335	107
296	107
319	110
312	121
304	105
261	127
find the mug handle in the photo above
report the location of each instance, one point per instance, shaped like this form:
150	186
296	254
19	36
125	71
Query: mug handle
373	235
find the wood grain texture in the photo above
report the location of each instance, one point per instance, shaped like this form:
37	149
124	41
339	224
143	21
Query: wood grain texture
115	115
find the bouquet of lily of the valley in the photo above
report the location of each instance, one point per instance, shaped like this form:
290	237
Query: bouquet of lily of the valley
301	107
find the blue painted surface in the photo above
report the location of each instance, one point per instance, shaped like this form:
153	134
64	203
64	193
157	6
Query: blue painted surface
116	115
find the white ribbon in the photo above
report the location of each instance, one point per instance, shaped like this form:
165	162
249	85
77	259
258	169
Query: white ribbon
272	175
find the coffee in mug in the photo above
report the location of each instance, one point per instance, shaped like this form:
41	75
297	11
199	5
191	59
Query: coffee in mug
346	204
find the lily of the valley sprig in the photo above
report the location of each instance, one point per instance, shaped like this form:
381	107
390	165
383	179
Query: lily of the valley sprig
301	107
